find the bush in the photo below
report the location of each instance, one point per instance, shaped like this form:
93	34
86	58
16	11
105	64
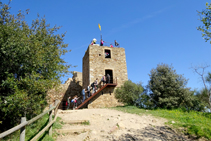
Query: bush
129	92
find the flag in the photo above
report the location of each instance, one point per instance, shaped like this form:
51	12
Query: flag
99	27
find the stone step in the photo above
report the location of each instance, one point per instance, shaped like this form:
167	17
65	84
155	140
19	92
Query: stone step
76	121
73	131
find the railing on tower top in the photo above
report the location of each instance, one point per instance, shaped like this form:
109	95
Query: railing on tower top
105	44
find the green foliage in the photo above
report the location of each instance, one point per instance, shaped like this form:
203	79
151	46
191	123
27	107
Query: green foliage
205	18
168	88
196	123
201	101
85	123
31	64
129	92
34	128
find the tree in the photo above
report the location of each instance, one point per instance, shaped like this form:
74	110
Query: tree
129	92
205	17
31	64
168	89
205	94
201	102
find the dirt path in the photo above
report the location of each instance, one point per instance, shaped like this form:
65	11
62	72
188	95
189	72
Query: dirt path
107	124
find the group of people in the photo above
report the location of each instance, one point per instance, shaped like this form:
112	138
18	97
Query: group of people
74	101
102	42
94	86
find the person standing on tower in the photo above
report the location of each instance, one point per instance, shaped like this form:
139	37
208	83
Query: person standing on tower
116	44
94	41
101	42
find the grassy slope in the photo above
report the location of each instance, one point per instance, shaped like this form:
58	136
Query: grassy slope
34	128
196	123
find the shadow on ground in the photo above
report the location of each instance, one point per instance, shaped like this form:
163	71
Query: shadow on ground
150	133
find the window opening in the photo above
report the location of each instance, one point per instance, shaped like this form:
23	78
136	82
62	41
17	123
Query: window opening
107	53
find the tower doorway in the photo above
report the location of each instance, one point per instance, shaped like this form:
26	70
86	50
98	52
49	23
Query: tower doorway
110	72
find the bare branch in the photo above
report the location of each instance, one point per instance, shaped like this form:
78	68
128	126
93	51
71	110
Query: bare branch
201	73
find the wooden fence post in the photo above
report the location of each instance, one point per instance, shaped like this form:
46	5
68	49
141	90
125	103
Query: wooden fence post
57	106
50	119
22	133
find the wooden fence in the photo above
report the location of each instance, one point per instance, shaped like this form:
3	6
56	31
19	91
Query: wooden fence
24	123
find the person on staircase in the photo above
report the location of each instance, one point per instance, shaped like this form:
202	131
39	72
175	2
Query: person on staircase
83	92
88	91
103	79
93	87
96	84
74	100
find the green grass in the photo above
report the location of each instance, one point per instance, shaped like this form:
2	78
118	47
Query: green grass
195	123
34	128
85	123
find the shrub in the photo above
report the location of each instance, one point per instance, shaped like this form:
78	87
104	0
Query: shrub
129	92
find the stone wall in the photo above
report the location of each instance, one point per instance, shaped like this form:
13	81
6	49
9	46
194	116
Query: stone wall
86	70
72	87
97	66
106	98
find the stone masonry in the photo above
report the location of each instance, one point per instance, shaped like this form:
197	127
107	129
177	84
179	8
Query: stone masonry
72	87
95	66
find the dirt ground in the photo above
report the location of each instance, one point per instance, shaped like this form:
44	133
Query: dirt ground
113	125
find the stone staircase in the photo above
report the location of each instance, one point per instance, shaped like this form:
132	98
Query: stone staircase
73	129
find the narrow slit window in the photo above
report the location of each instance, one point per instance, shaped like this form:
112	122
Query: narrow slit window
107	53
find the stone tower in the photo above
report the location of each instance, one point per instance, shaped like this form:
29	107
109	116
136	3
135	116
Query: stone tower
103	60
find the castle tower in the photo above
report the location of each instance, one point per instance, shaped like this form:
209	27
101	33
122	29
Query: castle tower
103	60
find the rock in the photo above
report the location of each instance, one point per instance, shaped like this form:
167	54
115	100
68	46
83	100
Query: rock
172	122
113	129
119	118
94	132
154	121
121	125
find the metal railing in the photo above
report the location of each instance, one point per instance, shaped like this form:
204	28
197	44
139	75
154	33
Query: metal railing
107	44
113	80
24	123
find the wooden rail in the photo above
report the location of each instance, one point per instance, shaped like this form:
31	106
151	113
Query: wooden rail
24	123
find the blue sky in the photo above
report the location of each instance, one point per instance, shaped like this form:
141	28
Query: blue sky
152	32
